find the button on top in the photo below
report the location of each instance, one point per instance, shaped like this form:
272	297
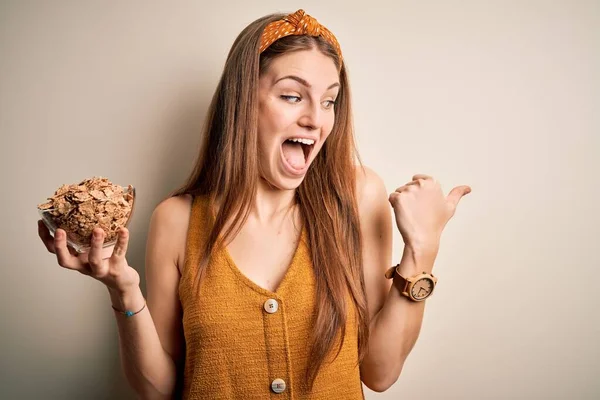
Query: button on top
278	385
271	306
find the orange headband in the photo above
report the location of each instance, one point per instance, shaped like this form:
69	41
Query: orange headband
298	23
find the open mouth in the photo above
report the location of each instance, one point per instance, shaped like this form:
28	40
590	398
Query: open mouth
296	151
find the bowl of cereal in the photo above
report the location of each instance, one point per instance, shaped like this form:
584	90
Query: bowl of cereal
92	203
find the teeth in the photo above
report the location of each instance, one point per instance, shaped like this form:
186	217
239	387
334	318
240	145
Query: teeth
303	141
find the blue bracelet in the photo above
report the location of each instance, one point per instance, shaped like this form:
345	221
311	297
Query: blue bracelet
129	313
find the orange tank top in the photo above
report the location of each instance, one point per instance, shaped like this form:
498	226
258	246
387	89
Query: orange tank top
246	342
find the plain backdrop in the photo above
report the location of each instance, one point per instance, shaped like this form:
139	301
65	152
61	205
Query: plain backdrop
500	95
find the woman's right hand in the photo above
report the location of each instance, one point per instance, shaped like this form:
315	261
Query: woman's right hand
114	271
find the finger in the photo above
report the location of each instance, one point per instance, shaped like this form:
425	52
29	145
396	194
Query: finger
45	235
95	254
421	176
64	257
122	244
456	194
407	186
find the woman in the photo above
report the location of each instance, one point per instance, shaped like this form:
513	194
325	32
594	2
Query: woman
268	272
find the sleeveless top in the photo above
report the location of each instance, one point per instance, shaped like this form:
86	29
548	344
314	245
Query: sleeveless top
246	342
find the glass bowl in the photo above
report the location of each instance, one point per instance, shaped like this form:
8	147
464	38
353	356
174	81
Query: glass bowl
78	246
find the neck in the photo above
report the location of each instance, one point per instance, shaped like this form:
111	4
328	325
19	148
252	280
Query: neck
271	203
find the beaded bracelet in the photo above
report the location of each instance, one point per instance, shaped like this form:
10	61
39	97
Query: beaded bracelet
129	313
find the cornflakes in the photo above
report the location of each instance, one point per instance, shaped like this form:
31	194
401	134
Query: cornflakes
94	202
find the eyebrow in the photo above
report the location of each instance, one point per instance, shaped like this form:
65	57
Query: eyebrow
303	82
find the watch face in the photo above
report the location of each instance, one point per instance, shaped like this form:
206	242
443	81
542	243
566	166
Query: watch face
422	288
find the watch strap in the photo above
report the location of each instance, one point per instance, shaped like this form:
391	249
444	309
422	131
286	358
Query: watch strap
393	271
389	274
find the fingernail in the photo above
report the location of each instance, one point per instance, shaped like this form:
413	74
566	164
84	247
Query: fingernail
96	235
57	235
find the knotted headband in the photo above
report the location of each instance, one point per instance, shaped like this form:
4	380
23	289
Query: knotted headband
298	23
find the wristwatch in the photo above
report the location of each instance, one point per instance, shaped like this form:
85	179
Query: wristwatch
416	288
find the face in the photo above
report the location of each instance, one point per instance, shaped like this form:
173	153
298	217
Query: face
296	113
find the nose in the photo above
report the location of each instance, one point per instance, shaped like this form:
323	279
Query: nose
312	117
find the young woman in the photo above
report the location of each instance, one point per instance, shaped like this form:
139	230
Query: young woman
268	274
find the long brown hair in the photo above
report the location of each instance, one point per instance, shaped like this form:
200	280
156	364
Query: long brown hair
227	170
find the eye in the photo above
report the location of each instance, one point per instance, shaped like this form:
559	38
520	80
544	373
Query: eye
291	99
329	104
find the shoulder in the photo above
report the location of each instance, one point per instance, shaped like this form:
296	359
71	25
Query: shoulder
173	210
370	189
169	224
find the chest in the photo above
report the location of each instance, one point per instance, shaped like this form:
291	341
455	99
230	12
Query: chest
264	255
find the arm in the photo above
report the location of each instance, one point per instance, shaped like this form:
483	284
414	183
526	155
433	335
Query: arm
151	342
394	330
395	320
381	360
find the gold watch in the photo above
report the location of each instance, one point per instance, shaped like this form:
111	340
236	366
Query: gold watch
416	288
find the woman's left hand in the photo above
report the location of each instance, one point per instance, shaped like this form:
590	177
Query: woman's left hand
422	211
